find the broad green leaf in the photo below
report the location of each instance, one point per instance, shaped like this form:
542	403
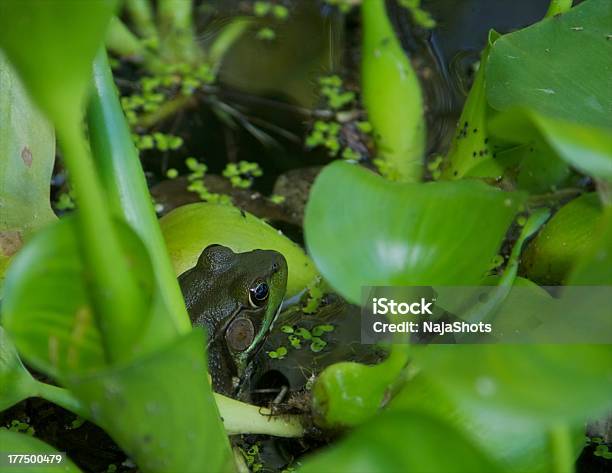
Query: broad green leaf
27	152
15	442
540	383
363	230
191	228
16	383
587	148
563	241
559	67
392	96
52	43
36	35
517	444
404	440
160	409
47	308
58	336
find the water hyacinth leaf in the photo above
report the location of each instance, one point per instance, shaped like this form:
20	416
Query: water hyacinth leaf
36	35
392	96
191	228
559	67
59	335
595	266
562	242
16	383
144	415
541	383
27	153
517	444
587	148
373	448
382	233
16	442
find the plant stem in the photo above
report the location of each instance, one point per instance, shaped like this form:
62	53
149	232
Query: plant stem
241	418
556	7
117	302
561	446
63	398
141	14
121	172
121	41
486	310
176	30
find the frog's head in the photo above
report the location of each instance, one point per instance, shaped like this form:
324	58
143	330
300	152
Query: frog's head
236	296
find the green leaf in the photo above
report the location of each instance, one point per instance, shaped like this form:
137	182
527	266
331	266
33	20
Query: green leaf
27	152
563	241
595	266
142	409
587	148
47	307
559	67
58	335
362	230
407	441
392	96
539	383
14	442
518	444
16	383
191	228
36	35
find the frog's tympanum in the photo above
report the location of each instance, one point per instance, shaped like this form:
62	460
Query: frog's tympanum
236	296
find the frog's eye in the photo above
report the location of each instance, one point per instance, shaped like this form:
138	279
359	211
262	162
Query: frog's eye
240	334
258	294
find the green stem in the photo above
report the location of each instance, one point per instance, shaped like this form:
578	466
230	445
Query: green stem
485	310
561	447
121	172
241	418
121	41
176	30
141	14
117	305
63	398
556	7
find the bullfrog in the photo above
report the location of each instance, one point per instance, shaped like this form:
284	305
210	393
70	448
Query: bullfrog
236	297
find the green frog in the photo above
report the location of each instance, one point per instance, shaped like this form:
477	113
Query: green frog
236	296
